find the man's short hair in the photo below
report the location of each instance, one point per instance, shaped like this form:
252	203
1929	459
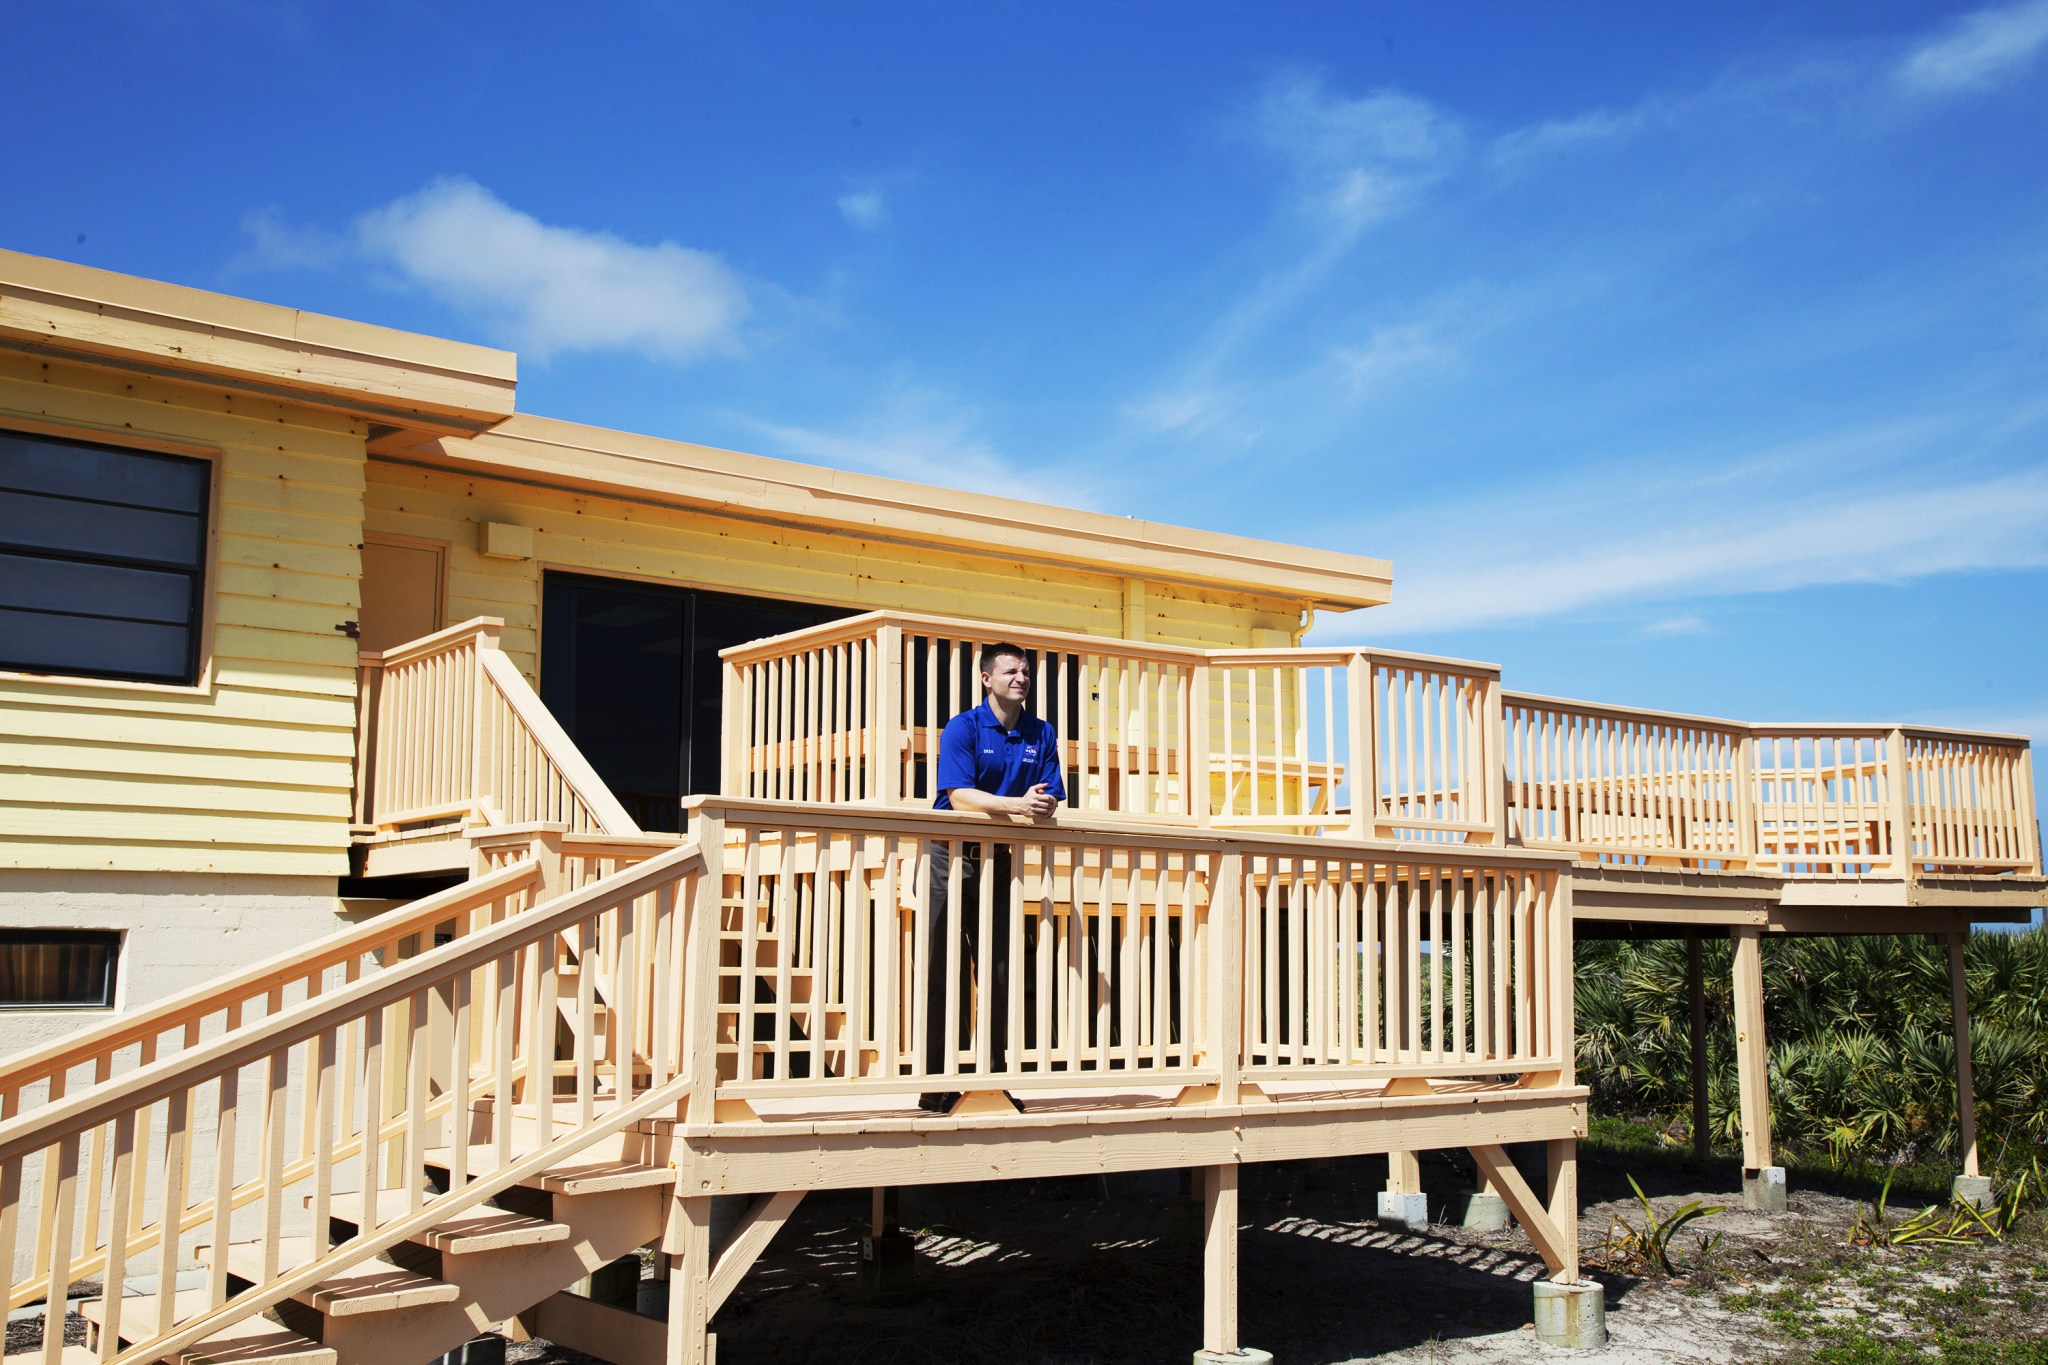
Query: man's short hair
991	652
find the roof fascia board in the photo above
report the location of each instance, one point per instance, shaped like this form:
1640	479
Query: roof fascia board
430	384
756	487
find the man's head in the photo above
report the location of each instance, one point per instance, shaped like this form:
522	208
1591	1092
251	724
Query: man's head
1005	672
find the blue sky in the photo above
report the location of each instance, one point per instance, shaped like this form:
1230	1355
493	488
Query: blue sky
1691	356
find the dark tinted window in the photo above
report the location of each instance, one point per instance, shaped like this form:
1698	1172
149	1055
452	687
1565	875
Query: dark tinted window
632	672
102	559
45	969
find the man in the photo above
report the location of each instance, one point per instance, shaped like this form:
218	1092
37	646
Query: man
997	759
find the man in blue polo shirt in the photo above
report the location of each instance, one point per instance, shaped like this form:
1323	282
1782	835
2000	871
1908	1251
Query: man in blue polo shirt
997	759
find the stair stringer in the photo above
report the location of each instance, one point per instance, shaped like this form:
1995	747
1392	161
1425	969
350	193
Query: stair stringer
499	1285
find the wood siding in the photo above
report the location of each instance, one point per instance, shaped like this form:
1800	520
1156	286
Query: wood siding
249	771
609	536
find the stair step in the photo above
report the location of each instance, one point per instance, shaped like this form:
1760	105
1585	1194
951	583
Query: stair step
461	1234
372	1286
577	1175
255	1340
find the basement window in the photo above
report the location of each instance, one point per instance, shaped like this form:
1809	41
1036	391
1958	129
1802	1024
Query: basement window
58	969
102	559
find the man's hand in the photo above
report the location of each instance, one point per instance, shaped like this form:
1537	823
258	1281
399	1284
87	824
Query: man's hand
1036	804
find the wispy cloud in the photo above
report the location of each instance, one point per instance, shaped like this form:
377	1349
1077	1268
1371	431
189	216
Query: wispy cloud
275	244
546	289
1540	556
864	208
1390	355
1667	626
1355	160
1978	50
915	433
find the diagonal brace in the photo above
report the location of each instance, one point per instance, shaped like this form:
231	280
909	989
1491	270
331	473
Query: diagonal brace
1563	1260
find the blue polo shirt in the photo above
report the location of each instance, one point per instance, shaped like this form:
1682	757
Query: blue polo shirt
976	751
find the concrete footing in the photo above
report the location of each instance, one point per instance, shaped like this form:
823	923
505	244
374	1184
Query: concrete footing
1483	1211
1571	1315
1243	1355
1974	1190
1764	1190
1403	1210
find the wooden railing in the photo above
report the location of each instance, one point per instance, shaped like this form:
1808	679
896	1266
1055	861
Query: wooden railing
357	1088
1119	956
109	1051
1653	788
449	731
1368	744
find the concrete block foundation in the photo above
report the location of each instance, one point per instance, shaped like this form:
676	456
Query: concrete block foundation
1974	1190
1243	1355
1406	1211
1483	1211
1571	1315
1764	1190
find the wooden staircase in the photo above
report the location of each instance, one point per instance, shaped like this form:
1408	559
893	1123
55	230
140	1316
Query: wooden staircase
426	1128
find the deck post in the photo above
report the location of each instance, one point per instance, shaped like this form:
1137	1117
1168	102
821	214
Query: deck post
1748	837
1696	995
1763	1185
1219	1270
687	1243
1195	768
1561	1172
700	969
1970	1185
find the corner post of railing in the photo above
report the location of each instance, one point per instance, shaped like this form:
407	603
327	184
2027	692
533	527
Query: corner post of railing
369	727
700	967
2030	817
1898	810
1748	834
486	637
1361	711
1200	799
1564	1011
1225	975
886	704
1492	760
735	717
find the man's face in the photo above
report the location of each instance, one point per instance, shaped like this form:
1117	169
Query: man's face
1008	678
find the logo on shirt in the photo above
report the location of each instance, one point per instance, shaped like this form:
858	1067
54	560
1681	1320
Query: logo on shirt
1031	751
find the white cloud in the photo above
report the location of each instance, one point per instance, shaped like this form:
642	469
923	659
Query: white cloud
1522	559
546	289
1358	160
1667	626
864	208
1978	50
1561	136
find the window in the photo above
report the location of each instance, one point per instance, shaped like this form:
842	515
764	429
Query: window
58	969
102	559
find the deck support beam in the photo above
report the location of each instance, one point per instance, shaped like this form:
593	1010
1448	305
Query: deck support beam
1971	1186
1696	996
1219	1260
686	1241
1763	1185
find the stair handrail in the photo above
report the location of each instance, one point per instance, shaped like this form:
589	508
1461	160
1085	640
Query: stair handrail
475	712
305	965
60	1127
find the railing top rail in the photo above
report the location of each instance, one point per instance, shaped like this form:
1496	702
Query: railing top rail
87	1109
523	832
1299	654
854	627
475	627
1878	728
1121	830
1612	712
1762	729
39	1063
